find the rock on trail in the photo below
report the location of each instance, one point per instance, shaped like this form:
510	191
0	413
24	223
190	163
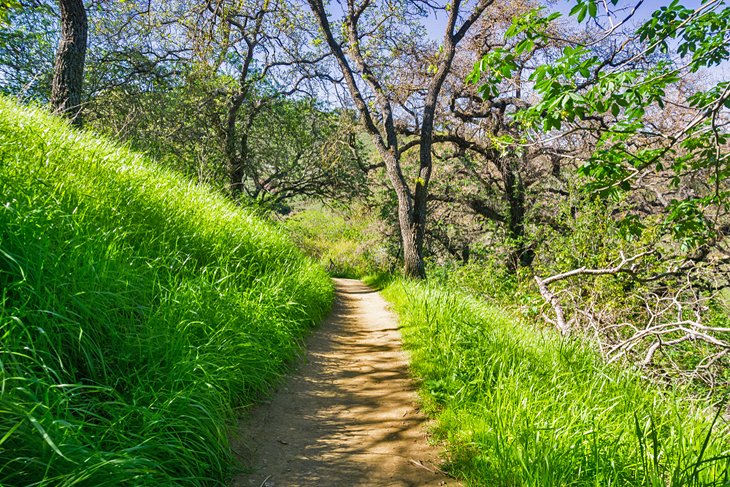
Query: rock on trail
348	416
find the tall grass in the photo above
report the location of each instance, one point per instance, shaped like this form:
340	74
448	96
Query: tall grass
519	406
137	313
345	241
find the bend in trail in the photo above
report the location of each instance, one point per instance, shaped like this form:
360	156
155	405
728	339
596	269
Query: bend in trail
348	416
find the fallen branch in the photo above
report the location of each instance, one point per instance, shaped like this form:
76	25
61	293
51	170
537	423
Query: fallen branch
562	325
620	267
548	296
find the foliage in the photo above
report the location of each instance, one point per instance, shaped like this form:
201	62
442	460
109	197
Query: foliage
298	150
486	278
623	88
346	242
166	124
27	47
520	406
137	313
5	6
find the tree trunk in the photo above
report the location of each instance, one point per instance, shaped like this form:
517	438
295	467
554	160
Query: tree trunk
68	74
412	233
234	163
514	187
235	178
412	236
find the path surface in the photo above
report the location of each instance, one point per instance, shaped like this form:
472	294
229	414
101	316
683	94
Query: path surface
348	416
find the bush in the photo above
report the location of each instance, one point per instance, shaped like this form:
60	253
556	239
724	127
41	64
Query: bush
347	245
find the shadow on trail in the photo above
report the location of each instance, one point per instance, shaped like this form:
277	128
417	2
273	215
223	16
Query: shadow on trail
347	417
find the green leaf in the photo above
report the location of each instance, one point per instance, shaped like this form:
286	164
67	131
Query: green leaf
592	9
524	45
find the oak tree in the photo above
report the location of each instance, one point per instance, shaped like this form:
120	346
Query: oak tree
368	42
68	75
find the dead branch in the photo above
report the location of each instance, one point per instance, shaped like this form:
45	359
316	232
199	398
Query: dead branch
620	267
562	325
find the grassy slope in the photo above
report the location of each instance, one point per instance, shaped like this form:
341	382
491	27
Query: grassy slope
520	406
137	311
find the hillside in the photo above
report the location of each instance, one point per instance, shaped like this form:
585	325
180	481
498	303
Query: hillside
519	405
138	313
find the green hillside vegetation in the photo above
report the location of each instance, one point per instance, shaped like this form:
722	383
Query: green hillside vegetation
138	313
522	406
347	245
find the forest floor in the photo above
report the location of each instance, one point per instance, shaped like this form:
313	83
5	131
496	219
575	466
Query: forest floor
349	415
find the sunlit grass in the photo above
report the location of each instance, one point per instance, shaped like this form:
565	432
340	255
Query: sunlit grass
519	406
137	313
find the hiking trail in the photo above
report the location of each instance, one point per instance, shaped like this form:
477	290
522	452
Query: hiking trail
348	415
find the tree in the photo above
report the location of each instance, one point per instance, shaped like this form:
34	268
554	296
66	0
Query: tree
487	176
487	169
659	165
297	149
614	94
68	73
250	52
28	42
363	54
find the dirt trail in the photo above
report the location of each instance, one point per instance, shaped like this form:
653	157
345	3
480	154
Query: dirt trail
348	416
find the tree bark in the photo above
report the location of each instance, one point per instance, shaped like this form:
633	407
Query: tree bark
68	74
514	187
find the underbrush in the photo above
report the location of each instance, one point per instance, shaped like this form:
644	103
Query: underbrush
345	242
518	405
137	313
641	299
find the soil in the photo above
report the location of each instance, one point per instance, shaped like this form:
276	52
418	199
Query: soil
349	415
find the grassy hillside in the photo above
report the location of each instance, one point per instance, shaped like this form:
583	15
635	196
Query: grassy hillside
519	406
137	312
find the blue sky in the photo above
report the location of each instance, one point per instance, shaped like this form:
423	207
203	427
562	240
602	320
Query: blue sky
435	25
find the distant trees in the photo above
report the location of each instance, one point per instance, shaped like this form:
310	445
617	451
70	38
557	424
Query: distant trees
238	32
299	150
488	167
68	75
616	84
255	51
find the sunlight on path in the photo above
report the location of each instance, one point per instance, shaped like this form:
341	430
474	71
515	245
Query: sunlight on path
348	417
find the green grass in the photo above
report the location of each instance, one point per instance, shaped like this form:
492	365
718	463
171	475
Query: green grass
344	241
519	406
138	312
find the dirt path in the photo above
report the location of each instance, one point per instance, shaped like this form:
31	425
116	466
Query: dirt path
348	416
